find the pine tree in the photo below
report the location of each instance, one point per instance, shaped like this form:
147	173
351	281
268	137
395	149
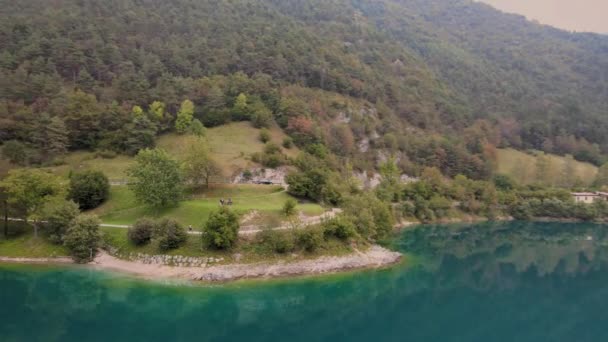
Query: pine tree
57	137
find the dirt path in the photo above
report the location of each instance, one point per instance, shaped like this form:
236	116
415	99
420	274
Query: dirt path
302	222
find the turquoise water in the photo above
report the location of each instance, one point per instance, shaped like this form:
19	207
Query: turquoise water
487	282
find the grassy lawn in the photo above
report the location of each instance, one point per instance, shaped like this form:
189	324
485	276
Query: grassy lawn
122	208
522	167
22	244
233	144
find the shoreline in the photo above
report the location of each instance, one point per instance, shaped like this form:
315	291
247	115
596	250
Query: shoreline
374	258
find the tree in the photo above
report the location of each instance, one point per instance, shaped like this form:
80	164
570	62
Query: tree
51	136
504	182
81	116
389	188
140	133
170	234
542	168
568	174
15	151
184	117
83	238
157	110
57	137
141	232
89	188
240	109
222	229
57	216
29	190
197	128
137	111
602	176
289	208
155	178
198	165
261	116
5	210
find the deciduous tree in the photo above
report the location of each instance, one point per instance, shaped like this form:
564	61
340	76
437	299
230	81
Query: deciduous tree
155	178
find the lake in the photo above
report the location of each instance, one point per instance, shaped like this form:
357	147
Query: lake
484	282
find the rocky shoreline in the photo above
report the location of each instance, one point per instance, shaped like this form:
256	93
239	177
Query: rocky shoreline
374	257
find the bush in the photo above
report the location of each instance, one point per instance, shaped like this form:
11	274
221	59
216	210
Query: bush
57	216
278	241
264	135
142	231
83	238
310	239
222	229
89	189
289	208
15	152
504	182
288	142
339	227
170	234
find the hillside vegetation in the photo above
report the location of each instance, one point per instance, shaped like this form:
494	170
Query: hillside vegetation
326	71
526	168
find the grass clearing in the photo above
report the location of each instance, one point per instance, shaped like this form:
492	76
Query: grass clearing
122	207
232	145
522	167
22	244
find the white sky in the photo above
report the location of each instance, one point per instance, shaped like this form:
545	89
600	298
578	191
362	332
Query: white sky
573	15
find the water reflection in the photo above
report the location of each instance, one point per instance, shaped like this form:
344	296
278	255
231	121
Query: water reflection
490	282
483	250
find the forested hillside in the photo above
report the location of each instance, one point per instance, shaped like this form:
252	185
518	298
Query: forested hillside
434	82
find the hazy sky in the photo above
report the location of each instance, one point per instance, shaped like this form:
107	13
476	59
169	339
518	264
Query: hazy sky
573	15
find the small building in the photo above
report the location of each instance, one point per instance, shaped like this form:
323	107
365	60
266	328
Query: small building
589	197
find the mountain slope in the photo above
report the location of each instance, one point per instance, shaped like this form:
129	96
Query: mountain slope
422	65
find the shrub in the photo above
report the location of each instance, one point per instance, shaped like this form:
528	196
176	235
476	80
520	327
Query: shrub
141	232
247	175
83	238
264	135
504	182
288	142
289	208
521	211
271	148
57	216
278	241
89	188
170	234
222	229
339	227
310	239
